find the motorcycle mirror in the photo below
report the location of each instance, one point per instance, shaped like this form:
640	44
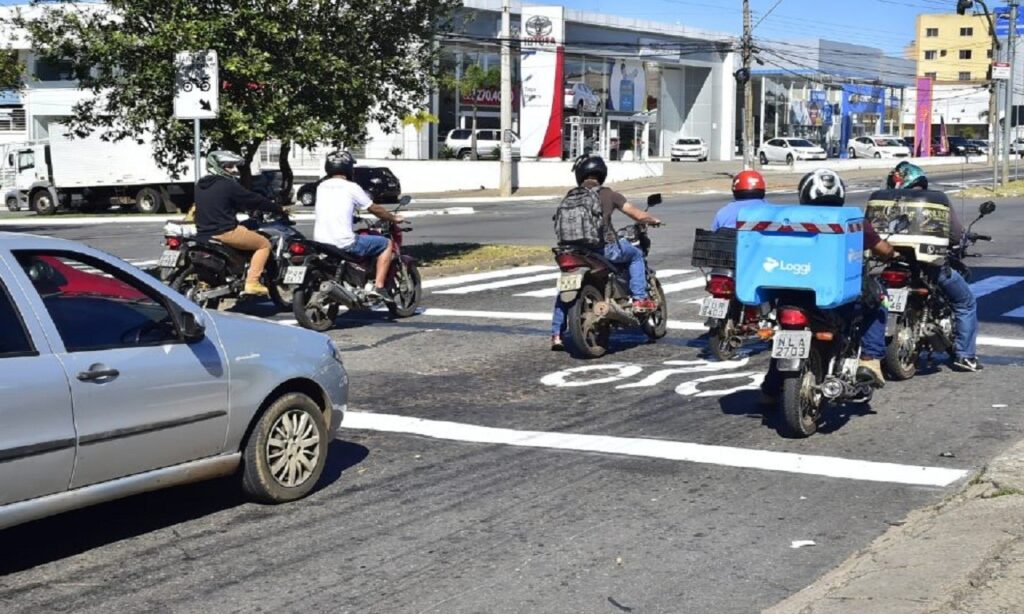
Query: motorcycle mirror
987	207
653	199
405	200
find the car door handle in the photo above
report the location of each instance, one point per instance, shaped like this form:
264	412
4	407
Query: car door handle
97	372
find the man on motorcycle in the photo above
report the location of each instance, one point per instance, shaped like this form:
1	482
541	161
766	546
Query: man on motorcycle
219	199
824	187
748	189
907	176
337	200
591	172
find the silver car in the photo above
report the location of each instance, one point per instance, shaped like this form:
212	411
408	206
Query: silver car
112	384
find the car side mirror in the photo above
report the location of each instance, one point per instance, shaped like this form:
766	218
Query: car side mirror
191	329
653	199
987	207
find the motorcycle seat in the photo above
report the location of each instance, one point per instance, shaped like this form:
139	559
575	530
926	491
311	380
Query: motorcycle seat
232	255
336	251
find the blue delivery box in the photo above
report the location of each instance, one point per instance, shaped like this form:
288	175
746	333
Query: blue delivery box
783	247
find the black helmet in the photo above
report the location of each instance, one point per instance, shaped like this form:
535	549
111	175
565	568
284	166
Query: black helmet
339	163
822	187
907	176
590	167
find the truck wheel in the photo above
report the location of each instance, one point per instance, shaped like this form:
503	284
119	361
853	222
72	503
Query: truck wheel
12	204
42	203
149	200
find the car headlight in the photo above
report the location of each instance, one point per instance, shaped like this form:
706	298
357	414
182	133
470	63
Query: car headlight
335	351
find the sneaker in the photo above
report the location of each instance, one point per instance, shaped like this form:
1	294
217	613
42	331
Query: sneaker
644	305
381	293
967	364
256	289
871	370
556	344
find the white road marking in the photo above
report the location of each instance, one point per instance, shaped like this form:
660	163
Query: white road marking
826	466
994	284
458	280
688	284
519	281
1016	313
550	292
1001	342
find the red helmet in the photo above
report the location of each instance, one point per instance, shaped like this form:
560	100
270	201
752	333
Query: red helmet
748	185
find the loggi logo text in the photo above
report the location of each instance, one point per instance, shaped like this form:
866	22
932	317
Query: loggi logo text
771	264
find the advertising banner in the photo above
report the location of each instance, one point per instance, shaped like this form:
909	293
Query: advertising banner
628	87
923	128
859	100
542	39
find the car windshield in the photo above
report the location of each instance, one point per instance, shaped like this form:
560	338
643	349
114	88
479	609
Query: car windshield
688	142
800	143
888	143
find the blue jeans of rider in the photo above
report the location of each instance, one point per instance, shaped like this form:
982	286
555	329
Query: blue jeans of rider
620	252
965	311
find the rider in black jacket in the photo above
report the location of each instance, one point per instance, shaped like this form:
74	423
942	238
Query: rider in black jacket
219	199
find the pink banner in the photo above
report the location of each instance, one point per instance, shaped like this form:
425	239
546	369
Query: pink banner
923	131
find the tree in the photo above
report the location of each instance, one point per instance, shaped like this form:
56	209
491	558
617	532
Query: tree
419	120
12	71
303	71
473	79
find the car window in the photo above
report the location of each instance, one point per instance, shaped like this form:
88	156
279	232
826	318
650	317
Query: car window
689	142
14	339
459	135
775	143
94	305
801	143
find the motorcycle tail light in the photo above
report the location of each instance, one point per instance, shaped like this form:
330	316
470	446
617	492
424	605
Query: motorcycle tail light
895	278
721	286
751	315
793	319
297	249
173	242
568	261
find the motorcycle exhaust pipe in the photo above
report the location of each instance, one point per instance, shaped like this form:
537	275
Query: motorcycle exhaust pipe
339	293
608	310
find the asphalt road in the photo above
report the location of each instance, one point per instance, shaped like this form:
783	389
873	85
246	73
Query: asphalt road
602	516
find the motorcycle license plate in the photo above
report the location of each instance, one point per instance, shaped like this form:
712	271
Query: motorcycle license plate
169	259
570	282
898	299
712	307
791	344
295	275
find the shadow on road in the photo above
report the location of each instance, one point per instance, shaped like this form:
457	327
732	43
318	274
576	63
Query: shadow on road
747	403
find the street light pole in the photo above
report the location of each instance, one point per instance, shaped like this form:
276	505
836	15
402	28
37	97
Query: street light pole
506	99
748	90
962	6
1009	112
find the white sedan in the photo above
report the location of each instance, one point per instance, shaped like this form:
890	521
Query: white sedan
790	150
878	147
690	148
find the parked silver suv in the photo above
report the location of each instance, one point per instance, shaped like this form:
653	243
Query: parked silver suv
113	384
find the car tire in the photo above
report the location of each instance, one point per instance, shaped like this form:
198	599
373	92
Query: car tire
789	159
13	204
853	153
42	203
763	158
148	200
465	154
675	159
286	451
308	199
878	156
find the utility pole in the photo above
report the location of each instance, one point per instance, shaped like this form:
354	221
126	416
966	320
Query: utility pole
1009	114
506	99
748	90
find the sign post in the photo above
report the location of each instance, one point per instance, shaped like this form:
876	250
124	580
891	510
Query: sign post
196	91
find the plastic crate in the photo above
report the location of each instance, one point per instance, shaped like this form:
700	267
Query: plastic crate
714	250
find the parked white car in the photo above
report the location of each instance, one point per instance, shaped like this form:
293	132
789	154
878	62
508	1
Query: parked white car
789	150
878	146
487	142
690	147
579	96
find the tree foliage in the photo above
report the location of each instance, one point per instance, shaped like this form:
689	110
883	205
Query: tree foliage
308	71
473	79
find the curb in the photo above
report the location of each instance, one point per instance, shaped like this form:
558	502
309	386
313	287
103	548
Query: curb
35	220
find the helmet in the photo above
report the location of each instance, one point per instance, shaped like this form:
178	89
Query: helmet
224	163
906	176
339	163
822	187
590	167
748	185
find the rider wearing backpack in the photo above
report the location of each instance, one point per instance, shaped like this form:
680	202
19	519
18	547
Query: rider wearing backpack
584	218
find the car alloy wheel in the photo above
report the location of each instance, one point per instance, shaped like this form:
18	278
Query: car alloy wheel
293	448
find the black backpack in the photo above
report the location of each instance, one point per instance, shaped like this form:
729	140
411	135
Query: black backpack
578	219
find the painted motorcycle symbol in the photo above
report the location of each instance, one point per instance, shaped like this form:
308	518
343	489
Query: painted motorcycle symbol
192	83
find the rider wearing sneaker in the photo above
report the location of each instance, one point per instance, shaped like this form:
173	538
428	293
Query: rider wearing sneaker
748	189
824	187
219	199
591	172
907	176
337	200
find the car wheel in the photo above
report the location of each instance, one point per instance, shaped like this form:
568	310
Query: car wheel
308	199
763	158
12	204
581	109
853	153
789	159
42	203
675	159
878	156
465	154
285	453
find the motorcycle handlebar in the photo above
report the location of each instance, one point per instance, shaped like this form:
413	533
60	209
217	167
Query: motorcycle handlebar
977	237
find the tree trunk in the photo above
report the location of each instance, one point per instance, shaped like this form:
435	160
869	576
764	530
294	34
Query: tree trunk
472	138
287	176
245	173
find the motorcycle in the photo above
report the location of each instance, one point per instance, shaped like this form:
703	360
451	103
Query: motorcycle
920	316
597	292
211	273
729	322
324	278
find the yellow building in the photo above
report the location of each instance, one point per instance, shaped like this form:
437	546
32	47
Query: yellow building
953	48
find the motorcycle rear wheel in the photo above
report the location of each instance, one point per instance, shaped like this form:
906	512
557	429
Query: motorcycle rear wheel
720	337
902	353
655	326
319	318
587	337
187	282
801	405
408	291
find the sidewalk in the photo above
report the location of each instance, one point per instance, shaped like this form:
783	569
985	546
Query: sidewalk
964	555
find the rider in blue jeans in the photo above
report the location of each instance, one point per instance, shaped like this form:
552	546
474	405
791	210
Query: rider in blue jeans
591	172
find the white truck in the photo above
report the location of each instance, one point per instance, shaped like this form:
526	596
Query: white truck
90	175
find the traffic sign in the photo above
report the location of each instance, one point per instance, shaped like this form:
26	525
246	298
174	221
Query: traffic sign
196	85
1002	21
1000	70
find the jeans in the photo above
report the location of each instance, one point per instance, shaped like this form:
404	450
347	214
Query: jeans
965	311
616	252
366	246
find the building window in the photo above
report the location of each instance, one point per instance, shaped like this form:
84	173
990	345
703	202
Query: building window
966	31
965	76
930	55
61	70
12	119
931	32
942	53
930	75
988	54
965	54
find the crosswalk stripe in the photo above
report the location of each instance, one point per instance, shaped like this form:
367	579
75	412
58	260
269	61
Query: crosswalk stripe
458	280
549	292
688	284
519	281
993	284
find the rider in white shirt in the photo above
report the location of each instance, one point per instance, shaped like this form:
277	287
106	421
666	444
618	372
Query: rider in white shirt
338	198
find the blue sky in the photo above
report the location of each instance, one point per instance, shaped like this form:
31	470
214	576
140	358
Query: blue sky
887	24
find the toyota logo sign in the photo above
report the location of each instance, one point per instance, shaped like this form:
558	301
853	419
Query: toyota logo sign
539	26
